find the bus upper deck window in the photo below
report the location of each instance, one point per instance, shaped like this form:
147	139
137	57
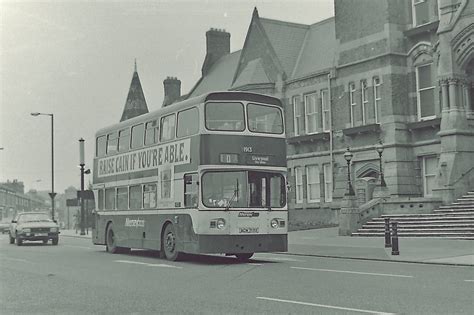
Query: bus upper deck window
137	136
188	122
101	146
151	132
124	140
112	143
225	116
265	119
168	127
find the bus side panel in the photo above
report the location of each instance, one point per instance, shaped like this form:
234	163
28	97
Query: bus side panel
98	233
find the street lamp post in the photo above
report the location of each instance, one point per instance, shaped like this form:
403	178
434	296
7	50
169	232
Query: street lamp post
379	149
82	163
348	157
52	194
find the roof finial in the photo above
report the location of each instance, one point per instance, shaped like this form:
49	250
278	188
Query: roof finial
135	64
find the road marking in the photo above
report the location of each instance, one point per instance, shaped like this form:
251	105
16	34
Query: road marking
279	259
323	305
147	264
254	264
469	280
78	246
355	272
16	259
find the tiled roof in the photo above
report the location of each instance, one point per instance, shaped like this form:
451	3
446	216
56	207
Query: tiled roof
136	103
220	75
318	50
252	74
286	39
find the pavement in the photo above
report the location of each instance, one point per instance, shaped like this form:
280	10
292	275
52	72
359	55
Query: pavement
326	242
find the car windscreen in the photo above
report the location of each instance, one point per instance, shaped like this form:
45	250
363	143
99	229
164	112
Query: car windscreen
34	217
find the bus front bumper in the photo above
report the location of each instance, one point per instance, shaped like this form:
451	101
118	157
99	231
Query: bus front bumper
235	244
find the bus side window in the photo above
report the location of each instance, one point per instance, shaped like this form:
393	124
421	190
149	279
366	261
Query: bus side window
135	197
149	196
190	190
124	140
122	198
100	201
101	146
110	199
112	143
168	129
188	122
137	136
151	132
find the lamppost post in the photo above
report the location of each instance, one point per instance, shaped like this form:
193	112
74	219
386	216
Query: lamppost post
82	163
348	157
379	149
52	194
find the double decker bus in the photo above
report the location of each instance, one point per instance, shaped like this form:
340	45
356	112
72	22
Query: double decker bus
205	175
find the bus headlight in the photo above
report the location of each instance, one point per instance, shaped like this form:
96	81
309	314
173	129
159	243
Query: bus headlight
274	223
220	224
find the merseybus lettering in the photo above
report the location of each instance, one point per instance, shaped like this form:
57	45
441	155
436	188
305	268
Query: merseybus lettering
174	153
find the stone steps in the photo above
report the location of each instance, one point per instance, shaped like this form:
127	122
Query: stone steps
451	221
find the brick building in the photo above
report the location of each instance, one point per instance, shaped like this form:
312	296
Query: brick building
395	72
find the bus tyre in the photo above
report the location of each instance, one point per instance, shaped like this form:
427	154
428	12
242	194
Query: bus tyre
243	256
168	244
12	239
111	246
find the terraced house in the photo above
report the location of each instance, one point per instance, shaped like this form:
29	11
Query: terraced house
392	75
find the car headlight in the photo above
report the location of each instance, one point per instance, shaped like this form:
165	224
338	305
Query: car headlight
26	230
220	224
274	223
54	229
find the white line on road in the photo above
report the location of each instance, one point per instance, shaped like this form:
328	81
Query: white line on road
254	264
147	264
278	259
78	246
355	272
469	280
16	259
322	305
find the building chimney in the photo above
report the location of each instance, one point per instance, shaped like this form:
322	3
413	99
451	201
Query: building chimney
172	90
217	45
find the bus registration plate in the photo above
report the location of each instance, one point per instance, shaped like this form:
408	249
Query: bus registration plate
248	230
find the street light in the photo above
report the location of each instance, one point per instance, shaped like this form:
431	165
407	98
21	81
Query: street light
348	157
52	194
379	149
82	163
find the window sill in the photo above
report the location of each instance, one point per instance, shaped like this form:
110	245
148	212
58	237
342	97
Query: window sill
422	29
309	138
353	131
432	123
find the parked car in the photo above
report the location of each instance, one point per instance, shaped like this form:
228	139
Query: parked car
33	226
4	226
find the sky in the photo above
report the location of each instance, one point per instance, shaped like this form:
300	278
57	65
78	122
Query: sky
75	59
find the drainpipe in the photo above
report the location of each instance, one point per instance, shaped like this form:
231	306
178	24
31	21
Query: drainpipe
331	149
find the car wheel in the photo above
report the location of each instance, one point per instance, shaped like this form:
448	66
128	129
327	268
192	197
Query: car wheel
243	257
55	241
19	241
12	239
45	241
168	244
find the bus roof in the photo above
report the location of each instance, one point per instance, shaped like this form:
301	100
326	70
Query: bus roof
212	96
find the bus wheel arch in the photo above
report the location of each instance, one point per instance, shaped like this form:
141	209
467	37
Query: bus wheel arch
168	242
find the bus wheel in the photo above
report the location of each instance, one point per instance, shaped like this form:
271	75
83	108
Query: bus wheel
168	243
111	246
244	256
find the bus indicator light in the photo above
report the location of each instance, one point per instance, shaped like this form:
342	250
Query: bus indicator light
229	158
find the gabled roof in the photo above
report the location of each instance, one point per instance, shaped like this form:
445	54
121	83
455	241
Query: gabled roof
286	39
318	50
136	103
219	77
253	73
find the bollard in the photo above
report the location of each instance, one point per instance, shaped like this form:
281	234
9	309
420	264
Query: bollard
387	233
395	250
